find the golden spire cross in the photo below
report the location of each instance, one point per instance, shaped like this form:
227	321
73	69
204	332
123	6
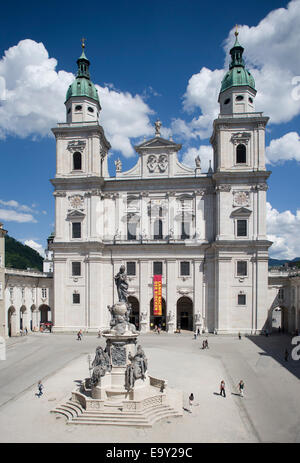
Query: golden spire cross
236	30
82	42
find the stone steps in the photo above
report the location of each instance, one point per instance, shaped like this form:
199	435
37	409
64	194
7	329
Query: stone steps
75	414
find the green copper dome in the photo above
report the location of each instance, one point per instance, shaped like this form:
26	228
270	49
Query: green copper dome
237	75
82	85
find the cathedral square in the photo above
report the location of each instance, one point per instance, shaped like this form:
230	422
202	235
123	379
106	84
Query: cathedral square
157	317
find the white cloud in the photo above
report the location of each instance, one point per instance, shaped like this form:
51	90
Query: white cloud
14	216
284	149
35	93
271	54
22	213
283	230
36	246
205	153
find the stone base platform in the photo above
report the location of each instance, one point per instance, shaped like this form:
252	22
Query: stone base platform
81	409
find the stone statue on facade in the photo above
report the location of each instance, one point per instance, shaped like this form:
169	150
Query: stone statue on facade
157	128
136	369
144	316
118	164
197	317
198	162
122	285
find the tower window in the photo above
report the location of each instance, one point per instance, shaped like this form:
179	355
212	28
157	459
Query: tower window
241	154
242	268
241	227
76	298
239	98
78	107
77	161
241	299
76	269
91	110
76	230
69	110
250	100
227	101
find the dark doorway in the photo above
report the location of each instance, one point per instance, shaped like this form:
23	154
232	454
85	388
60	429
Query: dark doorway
44	309
134	317
158	320
185	313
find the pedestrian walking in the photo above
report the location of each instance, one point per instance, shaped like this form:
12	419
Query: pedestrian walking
40	389
79	336
158	329
206	343
241	386
99	333
198	332
222	388
286	355
191	400
195	334
240	337
26	330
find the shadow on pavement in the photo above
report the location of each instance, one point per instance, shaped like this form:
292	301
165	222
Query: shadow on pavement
275	346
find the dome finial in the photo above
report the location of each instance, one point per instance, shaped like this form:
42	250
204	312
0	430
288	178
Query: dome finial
82	43
236	30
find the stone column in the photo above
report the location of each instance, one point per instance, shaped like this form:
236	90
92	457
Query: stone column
60	302
171	295
144	300
199	215
223	291
198	294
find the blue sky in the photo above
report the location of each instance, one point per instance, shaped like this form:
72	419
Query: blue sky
150	59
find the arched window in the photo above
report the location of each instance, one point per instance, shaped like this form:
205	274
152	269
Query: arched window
241	154
77	161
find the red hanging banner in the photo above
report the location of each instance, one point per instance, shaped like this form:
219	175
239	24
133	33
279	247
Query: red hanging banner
157	292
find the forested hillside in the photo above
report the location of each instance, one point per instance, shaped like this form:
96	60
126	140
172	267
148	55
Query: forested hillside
20	256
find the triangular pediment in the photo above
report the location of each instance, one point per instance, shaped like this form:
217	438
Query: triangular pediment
76	215
241	212
158	142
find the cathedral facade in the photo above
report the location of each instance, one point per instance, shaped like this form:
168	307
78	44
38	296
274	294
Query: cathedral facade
203	232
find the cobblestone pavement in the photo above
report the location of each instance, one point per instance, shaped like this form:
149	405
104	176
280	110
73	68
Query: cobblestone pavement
269	411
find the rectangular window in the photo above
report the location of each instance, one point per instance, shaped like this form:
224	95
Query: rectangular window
185	230
76	230
157	268
131	231
241	226
131	270
184	268
241	299
44	293
76	268
241	268
76	298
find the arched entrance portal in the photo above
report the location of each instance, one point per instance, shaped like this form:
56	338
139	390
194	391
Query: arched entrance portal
12	321
158	320
22	317
134	317
45	313
185	313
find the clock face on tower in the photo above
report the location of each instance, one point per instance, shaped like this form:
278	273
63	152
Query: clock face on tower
241	198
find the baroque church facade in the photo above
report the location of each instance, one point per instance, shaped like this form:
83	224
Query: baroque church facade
203	232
